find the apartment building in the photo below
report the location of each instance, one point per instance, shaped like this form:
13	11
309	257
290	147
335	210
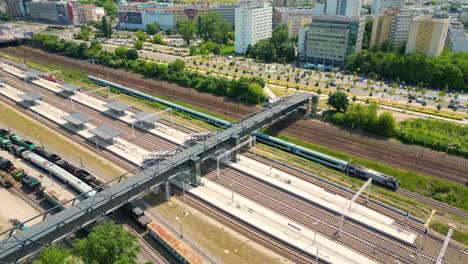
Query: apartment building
253	23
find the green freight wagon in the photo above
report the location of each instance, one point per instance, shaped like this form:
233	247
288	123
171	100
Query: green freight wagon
4	134
5	143
31	181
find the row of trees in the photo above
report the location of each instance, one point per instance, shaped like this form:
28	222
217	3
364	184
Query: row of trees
107	243
358	116
247	89
277	48
449	69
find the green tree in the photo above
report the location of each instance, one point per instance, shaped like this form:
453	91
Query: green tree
111	8
177	66
138	44
213	28
141	35
255	93
5	16
187	29
131	54
338	100
106	28
120	52
386	124
52	255
84	33
108	243
152	28
157	39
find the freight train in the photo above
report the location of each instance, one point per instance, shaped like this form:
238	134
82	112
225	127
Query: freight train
321	158
77	178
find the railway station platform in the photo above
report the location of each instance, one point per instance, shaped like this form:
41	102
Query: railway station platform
323	198
277	225
159	130
12	70
121	147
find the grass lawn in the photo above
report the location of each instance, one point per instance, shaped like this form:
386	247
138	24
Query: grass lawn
459	235
227	50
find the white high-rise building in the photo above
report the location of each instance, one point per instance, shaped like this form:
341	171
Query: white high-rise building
379	6
253	23
347	8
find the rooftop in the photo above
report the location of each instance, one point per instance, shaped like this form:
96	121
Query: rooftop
146	117
77	118
68	87
31	96
117	106
105	132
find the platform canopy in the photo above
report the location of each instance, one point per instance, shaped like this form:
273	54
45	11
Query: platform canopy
32	73
77	118
117	106
146	117
31	96
105	132
69	87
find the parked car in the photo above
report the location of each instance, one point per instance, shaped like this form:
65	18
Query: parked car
453	106
420	100
461	106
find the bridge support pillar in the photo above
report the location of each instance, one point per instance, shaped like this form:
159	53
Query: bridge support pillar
167	184
311	107
195	171
235	155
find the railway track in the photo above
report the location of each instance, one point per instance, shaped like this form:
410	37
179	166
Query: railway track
347	143
434	203
293	205
245	228
145	246
16	191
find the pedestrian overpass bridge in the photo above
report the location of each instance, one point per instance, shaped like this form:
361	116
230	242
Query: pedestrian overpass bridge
23	244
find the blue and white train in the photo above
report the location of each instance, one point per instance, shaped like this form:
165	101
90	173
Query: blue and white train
329	161
321	158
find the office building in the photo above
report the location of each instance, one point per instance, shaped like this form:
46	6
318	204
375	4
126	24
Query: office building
59	12
227	12
379	6
331	39
293	18
166	15
457	38
392	25
253	23
347	8
427	34
17	8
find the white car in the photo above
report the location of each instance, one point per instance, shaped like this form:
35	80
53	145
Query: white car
420	100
